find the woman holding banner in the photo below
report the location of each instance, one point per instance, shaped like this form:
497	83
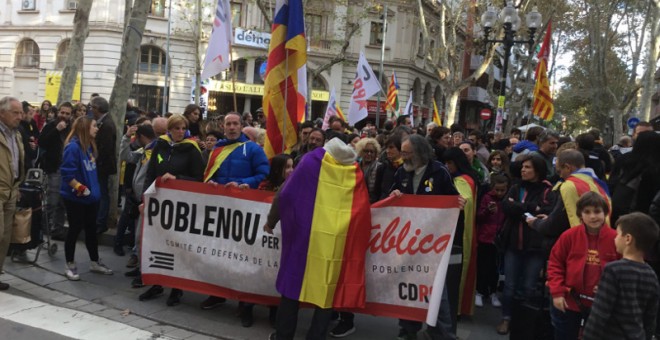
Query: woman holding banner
175	156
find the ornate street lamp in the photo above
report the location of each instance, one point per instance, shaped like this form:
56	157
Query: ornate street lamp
510	21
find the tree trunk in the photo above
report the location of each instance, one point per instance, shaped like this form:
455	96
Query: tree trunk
75	54
452	103
130	51
652	57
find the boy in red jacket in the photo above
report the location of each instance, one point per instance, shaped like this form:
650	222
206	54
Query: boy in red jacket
576	263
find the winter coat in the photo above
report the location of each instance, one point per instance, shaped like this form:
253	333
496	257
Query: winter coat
488	223
532	197
81	166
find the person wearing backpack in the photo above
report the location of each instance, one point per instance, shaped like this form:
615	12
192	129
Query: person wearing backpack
636	176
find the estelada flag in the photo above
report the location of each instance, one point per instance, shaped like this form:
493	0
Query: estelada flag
285	88
436	114
325	214
543	106
393	94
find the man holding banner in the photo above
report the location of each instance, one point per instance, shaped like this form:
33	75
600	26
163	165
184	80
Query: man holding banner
235	162
421	175
325	215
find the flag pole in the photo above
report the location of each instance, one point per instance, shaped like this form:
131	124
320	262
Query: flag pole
233	75
380	69
286	93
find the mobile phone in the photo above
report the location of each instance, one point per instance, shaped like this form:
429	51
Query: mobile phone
528	215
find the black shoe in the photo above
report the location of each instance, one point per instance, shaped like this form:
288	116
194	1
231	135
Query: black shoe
4	286
133	273
151	293
343	328
212	302
175	297
137	283
246	317
119	251
272	316
272	336
101	229
335	316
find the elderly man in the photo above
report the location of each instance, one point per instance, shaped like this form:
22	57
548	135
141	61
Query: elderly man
11	172
421	175
577	180
106	161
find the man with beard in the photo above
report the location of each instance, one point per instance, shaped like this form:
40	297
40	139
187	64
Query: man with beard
51	143
421	175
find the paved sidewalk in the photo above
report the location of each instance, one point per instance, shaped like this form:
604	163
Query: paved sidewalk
112	297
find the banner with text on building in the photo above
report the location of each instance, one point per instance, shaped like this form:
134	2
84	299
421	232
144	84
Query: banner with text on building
210	240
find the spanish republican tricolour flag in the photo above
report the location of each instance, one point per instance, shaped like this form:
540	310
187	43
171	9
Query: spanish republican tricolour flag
326	218
542	106
285	90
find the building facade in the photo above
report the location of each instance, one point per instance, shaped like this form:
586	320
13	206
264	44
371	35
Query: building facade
34	38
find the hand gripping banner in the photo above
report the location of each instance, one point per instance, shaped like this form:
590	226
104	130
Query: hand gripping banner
210	240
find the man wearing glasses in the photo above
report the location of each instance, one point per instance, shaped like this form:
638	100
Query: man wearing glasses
11	172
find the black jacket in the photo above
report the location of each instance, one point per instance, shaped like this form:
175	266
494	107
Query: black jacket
182	160
51	144
538	199
384	180
436	173
106	143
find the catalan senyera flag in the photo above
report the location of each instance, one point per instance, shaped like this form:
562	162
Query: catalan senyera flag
324	239
468	190
285	89
393	94
436	114
543	106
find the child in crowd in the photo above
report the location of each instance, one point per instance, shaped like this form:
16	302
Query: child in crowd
490	219
626	303
576	263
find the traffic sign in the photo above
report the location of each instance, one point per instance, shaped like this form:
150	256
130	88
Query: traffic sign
485	114
632	122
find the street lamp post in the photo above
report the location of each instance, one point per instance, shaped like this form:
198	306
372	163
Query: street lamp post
511	23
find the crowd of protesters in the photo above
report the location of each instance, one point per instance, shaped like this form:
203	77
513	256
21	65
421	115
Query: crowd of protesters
542	214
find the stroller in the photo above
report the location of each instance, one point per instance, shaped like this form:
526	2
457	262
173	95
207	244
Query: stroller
33	196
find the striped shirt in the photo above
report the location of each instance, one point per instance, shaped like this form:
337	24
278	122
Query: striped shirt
626	303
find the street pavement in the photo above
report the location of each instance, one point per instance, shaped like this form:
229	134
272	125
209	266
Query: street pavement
111	298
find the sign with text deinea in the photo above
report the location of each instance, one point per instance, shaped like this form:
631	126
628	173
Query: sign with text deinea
210	239
251	38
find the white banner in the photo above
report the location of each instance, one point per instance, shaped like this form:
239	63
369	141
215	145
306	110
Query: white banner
408	111
217	53
251	38
366	84
208	239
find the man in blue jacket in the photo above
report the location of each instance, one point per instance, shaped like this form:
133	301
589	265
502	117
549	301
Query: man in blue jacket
235	162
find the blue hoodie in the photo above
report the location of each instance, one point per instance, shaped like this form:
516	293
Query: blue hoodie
247	164
525	145
80	166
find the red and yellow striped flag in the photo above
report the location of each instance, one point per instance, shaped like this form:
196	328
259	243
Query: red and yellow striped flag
542	106
436	114
393	95
285	88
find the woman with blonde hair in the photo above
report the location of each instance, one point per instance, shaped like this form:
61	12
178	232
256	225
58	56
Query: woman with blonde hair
81	193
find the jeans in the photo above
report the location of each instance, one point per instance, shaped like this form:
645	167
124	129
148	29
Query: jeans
521	271
81	217
104	205
443	329
287	321
125	223
54	205
567	325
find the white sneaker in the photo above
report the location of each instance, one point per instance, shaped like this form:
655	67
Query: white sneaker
72	271
479	300
495	301
99	268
